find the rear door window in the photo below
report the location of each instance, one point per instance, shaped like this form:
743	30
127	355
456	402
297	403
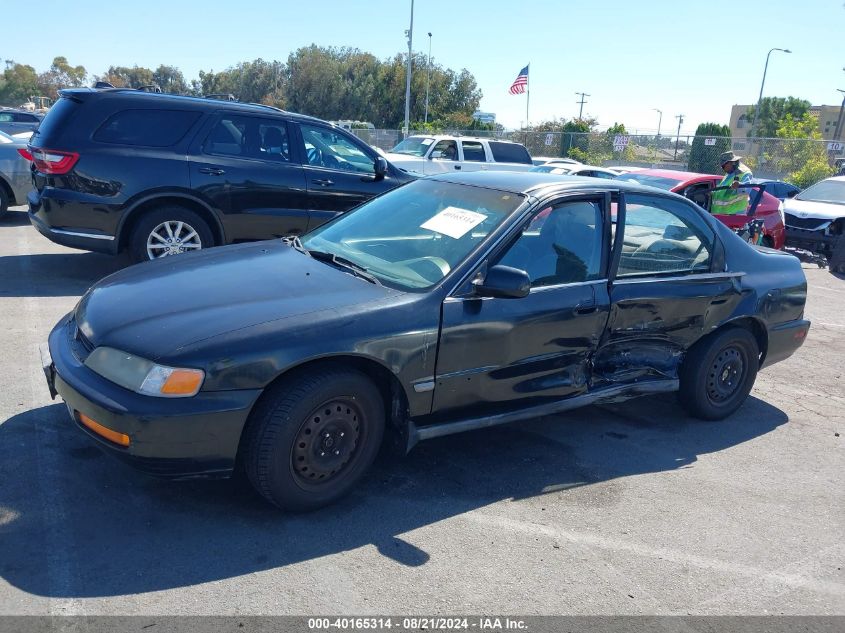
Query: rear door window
474	151
509	153
147	128
249	137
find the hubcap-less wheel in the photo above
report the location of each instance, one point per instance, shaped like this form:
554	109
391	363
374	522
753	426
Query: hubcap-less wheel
172	238
726	375
326	443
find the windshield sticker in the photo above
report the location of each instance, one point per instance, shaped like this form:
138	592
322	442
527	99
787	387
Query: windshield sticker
427	141
454	222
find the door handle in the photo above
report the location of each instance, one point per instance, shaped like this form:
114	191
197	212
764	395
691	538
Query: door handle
324	183
457	166
585	309
214	171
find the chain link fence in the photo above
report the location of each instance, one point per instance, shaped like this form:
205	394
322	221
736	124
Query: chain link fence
801	161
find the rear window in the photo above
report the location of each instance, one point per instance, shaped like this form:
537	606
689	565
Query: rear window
54	121
510	153
149	128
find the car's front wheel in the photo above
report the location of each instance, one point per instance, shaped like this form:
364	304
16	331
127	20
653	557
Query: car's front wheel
837	257
718	373
168	231
312	437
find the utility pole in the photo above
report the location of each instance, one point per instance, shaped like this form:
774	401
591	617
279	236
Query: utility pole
836	134
582	102
659	120
680	118
410	34
428	83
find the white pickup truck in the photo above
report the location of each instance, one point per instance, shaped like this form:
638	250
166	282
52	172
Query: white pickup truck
426	155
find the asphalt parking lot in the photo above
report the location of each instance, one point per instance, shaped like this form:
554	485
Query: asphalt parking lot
625	509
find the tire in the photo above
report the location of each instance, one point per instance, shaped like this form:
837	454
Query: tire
312	437
195	232
4	201
718	373
837	257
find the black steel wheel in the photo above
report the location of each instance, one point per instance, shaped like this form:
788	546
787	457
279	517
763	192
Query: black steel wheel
718	373
312	437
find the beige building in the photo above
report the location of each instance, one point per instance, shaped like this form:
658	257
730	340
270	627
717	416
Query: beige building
827	116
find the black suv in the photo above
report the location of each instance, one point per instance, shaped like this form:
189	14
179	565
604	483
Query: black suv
121	170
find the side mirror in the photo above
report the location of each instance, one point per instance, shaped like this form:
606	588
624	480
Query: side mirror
435	154
380	167
503	282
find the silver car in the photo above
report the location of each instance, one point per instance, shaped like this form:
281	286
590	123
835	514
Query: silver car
15	178
13	121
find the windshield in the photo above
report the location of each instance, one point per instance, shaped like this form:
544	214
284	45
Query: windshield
825	191
413	146
652	181
551	169
412	237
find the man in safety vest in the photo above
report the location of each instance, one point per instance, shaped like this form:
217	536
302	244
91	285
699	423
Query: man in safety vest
734	200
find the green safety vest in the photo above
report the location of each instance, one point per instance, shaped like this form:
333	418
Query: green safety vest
732	201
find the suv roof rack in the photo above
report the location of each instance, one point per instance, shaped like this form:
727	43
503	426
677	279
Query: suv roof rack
221	96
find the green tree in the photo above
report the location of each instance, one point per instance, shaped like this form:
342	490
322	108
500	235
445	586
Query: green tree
17	84
61	75
170	79
125	77
705	158
802	154
772	112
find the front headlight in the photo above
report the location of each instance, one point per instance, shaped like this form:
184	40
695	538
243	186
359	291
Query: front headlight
143	376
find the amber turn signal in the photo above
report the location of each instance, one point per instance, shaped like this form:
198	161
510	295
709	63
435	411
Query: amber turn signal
183	382
99	429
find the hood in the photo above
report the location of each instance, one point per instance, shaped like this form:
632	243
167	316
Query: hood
156	308
810	209
408	163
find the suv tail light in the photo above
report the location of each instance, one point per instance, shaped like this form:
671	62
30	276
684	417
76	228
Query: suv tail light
51	161
25	154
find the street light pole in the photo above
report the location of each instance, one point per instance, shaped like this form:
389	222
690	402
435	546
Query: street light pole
680	118
428	83
838	130
659	121
763	83
410	34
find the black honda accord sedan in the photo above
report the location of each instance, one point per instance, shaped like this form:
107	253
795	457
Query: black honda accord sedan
449	304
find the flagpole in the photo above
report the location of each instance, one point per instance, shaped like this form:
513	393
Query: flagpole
527	94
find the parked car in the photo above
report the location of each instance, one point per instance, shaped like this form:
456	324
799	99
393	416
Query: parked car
13	121
22	136
15	180
698	188
156	175
575	170
815	221
453	303
780	189
545	160
425	155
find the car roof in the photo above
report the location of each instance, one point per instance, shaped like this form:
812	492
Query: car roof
449	137
674	174
537	183
201	103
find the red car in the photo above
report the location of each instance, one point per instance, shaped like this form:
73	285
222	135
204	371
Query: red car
697	187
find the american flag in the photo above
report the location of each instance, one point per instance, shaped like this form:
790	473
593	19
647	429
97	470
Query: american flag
520	83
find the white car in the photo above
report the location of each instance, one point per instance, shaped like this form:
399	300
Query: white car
577	170
815	221
426	155
545	160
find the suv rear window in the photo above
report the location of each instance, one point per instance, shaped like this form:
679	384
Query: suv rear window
56	118
149	128
509	153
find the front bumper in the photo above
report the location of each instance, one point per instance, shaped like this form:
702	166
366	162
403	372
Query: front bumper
169	437
814	241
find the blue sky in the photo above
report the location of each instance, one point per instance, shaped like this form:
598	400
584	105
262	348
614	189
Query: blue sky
684	57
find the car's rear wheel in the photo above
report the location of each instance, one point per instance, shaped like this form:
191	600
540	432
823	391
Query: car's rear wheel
312	437
168	231
718	373
4	201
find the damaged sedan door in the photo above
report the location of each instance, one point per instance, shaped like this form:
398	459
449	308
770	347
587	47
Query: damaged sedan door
497	349
668	288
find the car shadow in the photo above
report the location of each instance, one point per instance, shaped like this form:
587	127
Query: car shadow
75	523
14	218
54	274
